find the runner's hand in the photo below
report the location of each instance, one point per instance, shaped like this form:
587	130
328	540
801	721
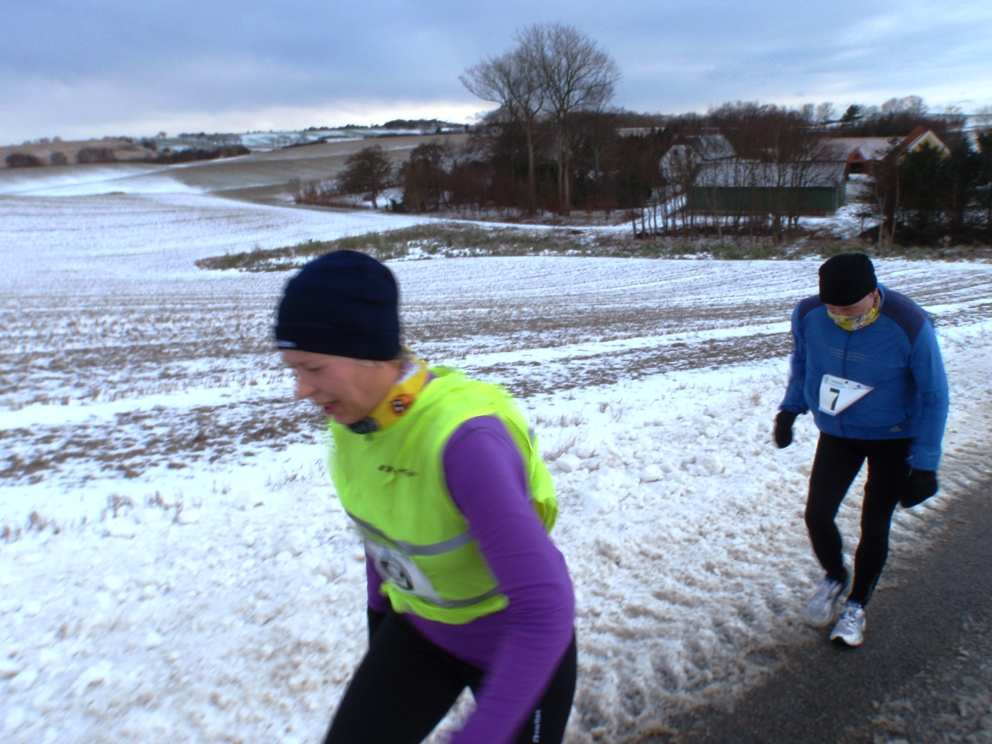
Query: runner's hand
922	484
783	428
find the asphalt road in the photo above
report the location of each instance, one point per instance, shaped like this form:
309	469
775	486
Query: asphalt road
924	673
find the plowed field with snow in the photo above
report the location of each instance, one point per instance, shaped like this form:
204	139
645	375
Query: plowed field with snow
174	564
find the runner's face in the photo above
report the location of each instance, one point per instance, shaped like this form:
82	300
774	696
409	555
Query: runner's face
857	309
345	389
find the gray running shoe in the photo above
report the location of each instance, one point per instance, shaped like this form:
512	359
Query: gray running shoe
851	627
822	608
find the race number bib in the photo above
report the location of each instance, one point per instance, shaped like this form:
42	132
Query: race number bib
837	394
400	569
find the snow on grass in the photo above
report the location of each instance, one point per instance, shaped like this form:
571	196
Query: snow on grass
89	237
176	566
131	178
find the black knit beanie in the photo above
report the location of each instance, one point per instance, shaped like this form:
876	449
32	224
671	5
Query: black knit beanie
846	279
345	304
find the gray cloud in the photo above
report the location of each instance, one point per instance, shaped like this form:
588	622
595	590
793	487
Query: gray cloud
105	66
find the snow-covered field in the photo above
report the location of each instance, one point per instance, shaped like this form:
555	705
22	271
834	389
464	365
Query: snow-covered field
174	565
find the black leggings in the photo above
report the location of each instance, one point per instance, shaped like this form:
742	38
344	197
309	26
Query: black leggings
835	466
405	685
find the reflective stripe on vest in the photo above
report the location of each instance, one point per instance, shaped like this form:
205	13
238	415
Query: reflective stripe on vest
394	563
446	546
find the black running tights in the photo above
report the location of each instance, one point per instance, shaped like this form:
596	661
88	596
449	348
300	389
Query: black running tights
406	685
835	466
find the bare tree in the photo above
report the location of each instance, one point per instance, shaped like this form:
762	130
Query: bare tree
905	105
983	118
679	169
369	171
425	176
575	75
825	112
512	82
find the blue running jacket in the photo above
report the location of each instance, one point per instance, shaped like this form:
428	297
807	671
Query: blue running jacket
884	381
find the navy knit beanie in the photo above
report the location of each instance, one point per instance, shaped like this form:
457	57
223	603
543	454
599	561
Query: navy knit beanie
345	304
846	279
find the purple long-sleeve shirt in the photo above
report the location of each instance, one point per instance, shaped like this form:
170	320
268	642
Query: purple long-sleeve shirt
520	646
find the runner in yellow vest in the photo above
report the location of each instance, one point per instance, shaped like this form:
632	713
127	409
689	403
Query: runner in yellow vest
442	478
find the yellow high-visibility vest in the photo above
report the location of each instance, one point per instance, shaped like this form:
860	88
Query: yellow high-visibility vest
392	484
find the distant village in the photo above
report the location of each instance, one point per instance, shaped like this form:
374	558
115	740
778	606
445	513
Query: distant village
743	171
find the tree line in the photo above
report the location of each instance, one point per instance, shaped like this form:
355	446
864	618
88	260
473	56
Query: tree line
554	144
929	198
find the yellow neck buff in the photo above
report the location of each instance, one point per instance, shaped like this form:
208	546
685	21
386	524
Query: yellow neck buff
397	401
854	322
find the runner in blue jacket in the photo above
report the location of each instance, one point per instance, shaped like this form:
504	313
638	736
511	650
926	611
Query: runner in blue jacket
867	363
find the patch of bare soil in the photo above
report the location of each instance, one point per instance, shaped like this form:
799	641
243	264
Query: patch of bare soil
53	153
538	378
264	177
591	331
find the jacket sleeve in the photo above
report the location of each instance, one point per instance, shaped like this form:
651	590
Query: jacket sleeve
485	475
927	369
795	398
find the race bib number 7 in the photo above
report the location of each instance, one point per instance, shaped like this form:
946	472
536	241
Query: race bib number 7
837	394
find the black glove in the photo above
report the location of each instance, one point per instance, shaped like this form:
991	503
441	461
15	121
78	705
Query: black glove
921	485
783	428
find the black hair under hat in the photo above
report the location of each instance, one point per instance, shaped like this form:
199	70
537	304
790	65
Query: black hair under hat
846	279
345	304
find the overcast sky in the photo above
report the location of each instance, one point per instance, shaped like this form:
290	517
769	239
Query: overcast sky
80	68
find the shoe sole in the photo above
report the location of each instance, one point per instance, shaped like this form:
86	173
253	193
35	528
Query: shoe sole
837	640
